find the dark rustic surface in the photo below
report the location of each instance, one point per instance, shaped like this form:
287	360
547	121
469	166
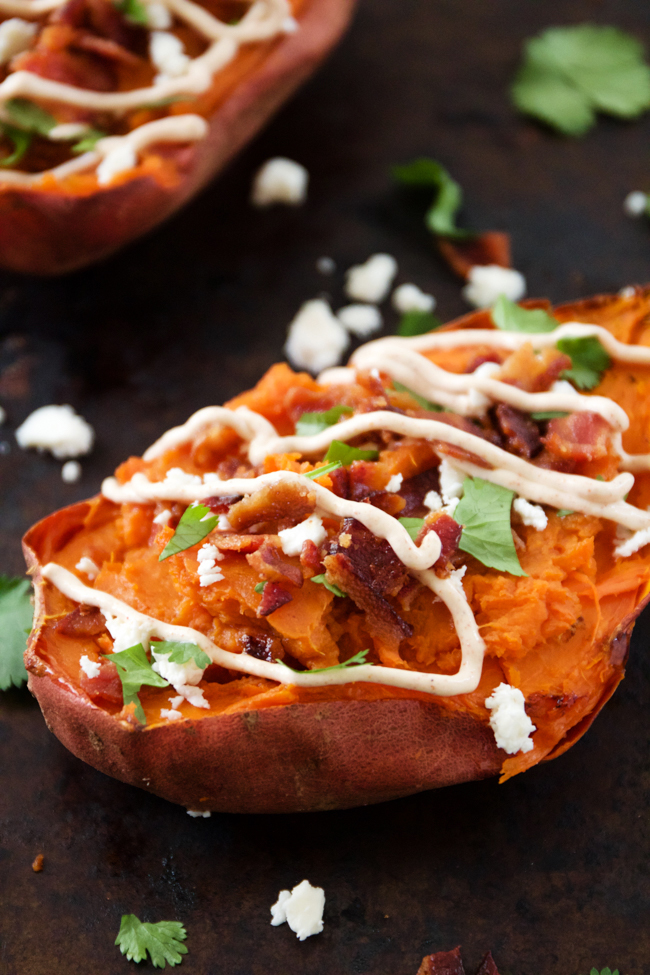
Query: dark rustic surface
551	870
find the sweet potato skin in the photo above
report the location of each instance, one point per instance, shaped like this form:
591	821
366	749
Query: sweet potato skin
50	232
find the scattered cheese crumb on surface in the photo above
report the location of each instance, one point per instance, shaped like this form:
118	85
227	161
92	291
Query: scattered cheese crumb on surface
91	668
361	320
126	632
316	339
158	16
487	282
562	386
167	53
371	282
635	204
451	481
199	813
163	517
182	677
509	721
432	501
170	713
57	429
408	297
71	471
338	376
16	35
394	483
207	557
532	515
290	25
456	578
88	567
223	524
175	702
302	909
280	180
118	160
326	265
311	529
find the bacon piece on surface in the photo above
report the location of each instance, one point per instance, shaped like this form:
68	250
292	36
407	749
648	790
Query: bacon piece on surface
107	685
442	963
310	558
260	646
268	561
448	531
491	247
534	372
273	597
105	48
521	433
274	503
488	965
50	58
232	542
415	489
578	437
82	621
221	505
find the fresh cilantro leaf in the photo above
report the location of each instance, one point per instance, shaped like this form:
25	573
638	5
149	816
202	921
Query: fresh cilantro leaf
260	587
326	469
484	513
21	142
163	941
134	670
16	614
424	403
134	11
311	423
182	653
510	317
441	216
548	415
88	140
322	580
29	116
588	358
197	522
604	971
570	73
356	661
342	452
417	323
563	512
412	525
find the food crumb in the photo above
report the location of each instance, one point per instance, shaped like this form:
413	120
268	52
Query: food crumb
326	265
280	180
345	540
37	865
71	471
302	909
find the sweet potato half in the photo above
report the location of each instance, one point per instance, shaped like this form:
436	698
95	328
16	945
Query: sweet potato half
560	633
55	226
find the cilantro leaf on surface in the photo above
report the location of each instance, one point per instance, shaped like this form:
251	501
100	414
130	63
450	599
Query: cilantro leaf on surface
356	661
342	452
260	587
412	525
311	423
163	941
571	73
134	670
322	580
133	10
29	116
326	469
182	653
417	323
424	403
441	216
197	522
88	140
563	512
589	361
21	142
548	415
16	614
604	971
484	513
510	317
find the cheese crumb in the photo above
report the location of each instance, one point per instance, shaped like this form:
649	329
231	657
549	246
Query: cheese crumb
632	544
487	282
167	53
302	909
88	567
635	204
290	25
16	36
292	539
118	160
57	429
562	386
361	320
316	339
451	481
127	632
223	524
170	713
509	721
91	668
532	515
163	517
199	813
182	677
371	282
280	180
408	297
325	265
432	501
71	471
345	540
158	16
394	483
208	556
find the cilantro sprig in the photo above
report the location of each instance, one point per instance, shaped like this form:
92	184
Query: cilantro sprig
21	141
312	423
196	523
417	323
356	661
326	469
570	73
133	11
163	941
321	580
484	513
134	670
548	415
16	614
510	317
589	360
441	215
181	653
29	116
345	455
88	140
413	526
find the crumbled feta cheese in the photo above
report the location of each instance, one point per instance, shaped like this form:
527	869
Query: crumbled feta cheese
57	429
88	567
316	339
208	556
158	16
635	204
16	36
199	813
487	282
223	524
290	25
408	297
628	292
302	909
311	529
432	501
163	517
71	471
325	265
167	53
633	543
475	398
394	484
509	721
208	551
338	376
182	677
456	578
451	481
532	515
562	386
117	161
449	509
126	632
280	180
67	131
371	281
91	668
361	320
170	713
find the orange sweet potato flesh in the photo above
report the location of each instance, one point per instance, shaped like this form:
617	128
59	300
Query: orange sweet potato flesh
561	633
56	227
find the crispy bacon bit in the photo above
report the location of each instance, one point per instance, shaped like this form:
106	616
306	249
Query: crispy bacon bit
282	502
105	48
340	479
50	58
221	506
106	686
488	965
260	646
389	502
448	531
521	433
310	559
273	597
534	372
492	247
578	437
442	963
232	542
82	621
268	561
415	489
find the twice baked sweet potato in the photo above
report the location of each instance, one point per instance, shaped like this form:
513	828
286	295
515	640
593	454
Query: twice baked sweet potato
342	656
55	215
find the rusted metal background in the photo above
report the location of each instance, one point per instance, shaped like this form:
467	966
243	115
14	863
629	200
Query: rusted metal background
551	871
